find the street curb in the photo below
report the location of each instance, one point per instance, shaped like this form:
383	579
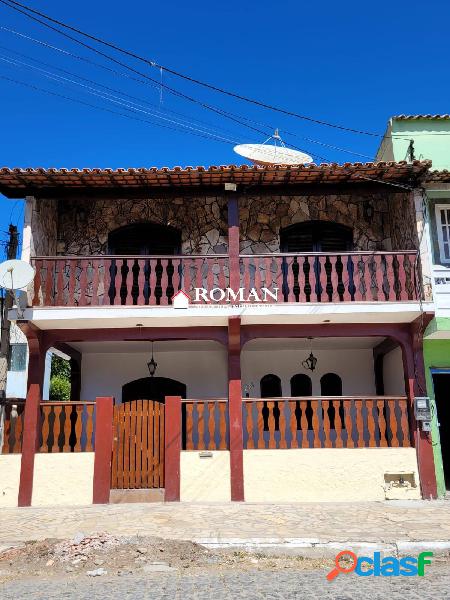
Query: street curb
315	548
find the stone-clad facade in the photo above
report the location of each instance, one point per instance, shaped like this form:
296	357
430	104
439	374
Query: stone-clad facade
380	221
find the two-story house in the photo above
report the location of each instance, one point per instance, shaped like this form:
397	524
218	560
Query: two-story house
259	329
427	137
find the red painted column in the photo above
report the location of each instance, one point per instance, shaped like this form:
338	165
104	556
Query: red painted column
415	386
233	242
235	409
172	448
103	449
30	440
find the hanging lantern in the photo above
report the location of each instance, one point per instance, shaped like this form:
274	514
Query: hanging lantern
152	364
310	362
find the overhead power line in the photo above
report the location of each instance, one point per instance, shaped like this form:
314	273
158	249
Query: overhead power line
14	5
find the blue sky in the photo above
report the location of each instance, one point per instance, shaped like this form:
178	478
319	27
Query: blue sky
351	63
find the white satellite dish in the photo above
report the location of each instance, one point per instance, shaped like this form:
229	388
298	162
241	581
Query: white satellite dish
16	274
272	154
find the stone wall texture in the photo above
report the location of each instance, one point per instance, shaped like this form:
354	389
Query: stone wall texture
81	227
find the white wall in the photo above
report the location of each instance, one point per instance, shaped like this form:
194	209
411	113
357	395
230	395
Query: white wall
9	479
205	479
16	381
327	474
64	478
355	367
205	373
393	373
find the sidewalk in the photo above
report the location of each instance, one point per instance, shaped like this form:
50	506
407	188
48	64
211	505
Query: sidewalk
402	526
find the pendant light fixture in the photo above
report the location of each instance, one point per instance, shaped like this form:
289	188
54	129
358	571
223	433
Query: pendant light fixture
152	364
310	362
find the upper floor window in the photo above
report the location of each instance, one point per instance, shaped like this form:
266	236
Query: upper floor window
316	236
443	231
145	238
331	385
301	385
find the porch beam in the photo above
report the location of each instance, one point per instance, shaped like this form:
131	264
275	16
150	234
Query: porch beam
379	352
235	410
52	337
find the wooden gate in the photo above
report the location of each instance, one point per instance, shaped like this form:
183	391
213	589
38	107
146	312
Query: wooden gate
138	446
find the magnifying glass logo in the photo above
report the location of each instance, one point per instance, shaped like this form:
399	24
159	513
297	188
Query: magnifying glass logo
339	568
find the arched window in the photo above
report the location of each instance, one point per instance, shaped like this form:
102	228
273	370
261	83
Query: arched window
270	386
145	238
316	236
301	385
331	385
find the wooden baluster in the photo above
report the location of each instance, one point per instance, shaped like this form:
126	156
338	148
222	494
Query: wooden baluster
392	423
120	264
201	425
223	445
78	428
326	427
362	291
89	427
221	279
37	296
322	280
282	405
72	263
316	405
260	424
379	277
164	281
152	283
50	283
370	405
249	425
403	259
156	456
246	264
59	296
338	423
129	262
211	425
303	424
347	404
83	282
293	423
359	425
210	263
189	426
66	430
268	273
96	264
271	424
58	431
382	423
43	428
187	279
289	262
198	272
258	280
334	280
391	277
404	423
141	285
348	275
176	277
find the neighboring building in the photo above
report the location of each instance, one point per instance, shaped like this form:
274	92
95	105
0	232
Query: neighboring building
430	135
289	372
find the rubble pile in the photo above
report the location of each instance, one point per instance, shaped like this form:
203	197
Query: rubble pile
81	547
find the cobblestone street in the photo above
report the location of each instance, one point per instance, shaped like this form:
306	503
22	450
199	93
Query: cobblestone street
247	585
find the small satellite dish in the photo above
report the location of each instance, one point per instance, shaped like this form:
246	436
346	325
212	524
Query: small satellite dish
16	274
272	154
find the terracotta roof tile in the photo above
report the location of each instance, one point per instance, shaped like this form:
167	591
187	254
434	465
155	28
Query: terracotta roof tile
19	182
418	117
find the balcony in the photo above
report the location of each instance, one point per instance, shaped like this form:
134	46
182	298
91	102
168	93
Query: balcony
72	281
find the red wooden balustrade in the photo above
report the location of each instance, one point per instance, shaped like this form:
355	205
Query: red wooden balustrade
144	280
124	280
326	422
205	424
332	277
64	427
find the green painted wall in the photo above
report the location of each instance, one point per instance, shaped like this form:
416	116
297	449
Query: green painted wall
429	141
436	354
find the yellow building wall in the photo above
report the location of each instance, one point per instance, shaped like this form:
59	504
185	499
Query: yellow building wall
205	479
63	479
9	479
326	474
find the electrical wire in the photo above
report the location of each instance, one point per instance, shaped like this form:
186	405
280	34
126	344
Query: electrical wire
13	5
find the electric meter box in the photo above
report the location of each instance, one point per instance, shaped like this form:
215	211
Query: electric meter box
422	409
